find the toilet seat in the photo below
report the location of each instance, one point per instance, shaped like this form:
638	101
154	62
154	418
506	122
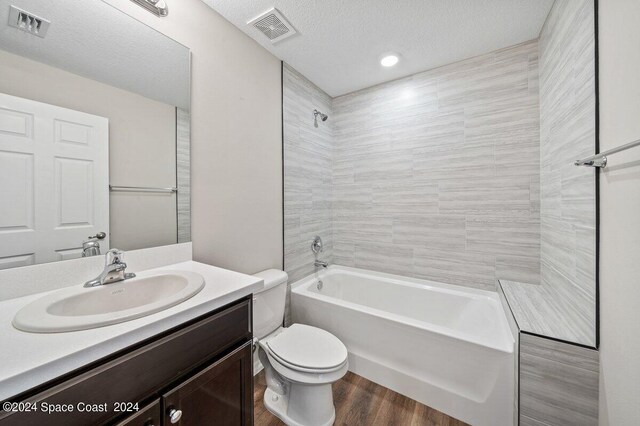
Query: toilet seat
307	349
297	368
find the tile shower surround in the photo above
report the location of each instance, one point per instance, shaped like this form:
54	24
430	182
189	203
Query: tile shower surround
434	176
567	192
308	156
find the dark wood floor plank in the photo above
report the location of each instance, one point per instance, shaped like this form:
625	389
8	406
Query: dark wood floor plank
361	402
362	407
349	385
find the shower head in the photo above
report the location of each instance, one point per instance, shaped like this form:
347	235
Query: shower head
317	114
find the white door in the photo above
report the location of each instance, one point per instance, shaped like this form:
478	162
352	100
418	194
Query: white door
54	181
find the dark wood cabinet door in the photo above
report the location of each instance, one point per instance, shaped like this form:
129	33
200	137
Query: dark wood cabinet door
220	395
151	415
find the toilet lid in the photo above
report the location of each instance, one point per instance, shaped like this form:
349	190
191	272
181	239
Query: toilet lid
308	347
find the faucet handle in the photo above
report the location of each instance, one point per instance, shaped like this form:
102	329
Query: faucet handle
114	256
317	246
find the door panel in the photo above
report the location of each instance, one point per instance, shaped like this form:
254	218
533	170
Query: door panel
16	189
72	133
16	127
17	186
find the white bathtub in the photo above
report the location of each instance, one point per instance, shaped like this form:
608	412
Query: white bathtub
447	346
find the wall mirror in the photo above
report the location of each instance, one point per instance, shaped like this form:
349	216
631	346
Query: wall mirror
94	133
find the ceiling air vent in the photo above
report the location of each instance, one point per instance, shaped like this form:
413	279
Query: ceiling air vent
28	22
273	25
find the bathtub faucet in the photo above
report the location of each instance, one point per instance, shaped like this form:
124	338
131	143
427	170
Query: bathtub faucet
321	263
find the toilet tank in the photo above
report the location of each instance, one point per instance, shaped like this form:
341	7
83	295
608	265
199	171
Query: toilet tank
268	303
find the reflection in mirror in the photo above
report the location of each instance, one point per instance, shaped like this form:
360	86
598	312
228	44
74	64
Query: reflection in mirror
94	134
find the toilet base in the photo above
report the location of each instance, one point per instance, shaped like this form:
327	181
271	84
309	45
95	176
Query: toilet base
278	405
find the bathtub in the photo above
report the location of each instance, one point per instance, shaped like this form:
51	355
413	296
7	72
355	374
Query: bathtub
447	346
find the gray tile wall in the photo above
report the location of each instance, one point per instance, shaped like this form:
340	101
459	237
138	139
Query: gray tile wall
308	159
567	132
437	175
183	178
558	383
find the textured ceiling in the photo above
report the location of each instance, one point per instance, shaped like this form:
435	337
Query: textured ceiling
95	40
339	42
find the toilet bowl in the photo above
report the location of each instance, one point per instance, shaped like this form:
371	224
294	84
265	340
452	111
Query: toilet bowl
301	362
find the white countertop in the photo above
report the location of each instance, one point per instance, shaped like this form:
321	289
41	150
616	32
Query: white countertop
30	359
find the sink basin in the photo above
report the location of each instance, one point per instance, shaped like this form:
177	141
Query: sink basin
80	308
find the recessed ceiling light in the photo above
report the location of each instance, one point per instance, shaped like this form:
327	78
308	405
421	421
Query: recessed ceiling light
389	60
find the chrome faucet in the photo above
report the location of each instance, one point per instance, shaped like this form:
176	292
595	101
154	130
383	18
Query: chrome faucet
317	247
91	247
114	270
320	263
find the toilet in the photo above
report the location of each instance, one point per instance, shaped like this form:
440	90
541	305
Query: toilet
300	362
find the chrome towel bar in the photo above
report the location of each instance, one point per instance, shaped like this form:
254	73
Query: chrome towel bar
600	160
142	189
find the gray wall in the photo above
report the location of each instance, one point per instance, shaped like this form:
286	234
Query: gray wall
436	175
236	139
308	156
619	219
567	132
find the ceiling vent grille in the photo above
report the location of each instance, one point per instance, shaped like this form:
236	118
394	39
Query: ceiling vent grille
28	22
273	25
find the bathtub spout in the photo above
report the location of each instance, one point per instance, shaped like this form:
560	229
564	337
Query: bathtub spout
320	263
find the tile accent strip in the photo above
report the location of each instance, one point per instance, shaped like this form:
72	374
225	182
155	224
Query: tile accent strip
183	177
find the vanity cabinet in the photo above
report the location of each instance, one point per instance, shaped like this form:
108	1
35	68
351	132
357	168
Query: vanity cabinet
196	374
151	415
